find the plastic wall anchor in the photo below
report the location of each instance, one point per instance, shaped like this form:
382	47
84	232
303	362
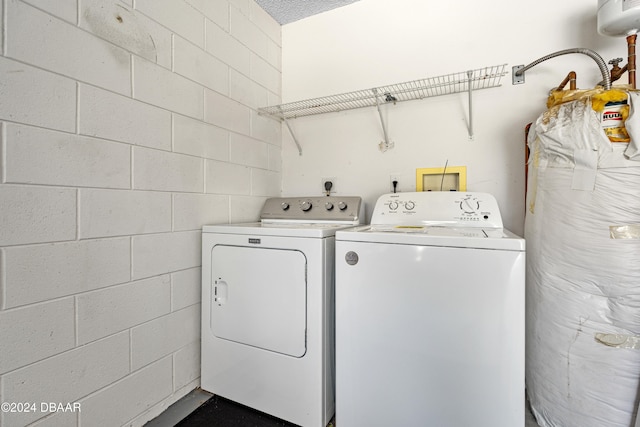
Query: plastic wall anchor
385	145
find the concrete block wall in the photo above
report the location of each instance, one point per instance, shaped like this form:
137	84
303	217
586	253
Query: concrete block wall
125	127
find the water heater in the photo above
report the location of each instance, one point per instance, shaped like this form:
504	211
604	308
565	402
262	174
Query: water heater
618	18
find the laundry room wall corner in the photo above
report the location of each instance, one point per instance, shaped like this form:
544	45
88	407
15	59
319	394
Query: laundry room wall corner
126	126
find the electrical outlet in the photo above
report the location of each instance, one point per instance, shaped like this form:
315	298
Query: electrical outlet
394	178
328	182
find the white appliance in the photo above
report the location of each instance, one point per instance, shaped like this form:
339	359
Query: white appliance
430	315
268	307
618	18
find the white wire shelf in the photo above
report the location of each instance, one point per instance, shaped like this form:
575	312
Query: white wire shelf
465	81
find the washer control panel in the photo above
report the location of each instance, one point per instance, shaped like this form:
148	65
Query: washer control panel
313	209
437	208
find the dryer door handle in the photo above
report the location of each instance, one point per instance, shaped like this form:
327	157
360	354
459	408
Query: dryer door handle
220	291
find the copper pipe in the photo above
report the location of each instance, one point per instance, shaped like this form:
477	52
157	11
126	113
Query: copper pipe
616	71
616	74
571	79
631	62
526	159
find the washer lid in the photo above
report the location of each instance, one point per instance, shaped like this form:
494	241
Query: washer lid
459	237
283	229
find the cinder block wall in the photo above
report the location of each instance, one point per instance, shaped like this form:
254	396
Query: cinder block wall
126	126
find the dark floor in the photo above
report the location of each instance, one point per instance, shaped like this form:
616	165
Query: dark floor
222	412
200	408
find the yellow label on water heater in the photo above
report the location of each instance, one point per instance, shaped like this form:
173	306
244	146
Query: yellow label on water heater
613	120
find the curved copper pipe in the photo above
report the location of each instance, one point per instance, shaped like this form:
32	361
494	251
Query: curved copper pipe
631	63
617	73
571	79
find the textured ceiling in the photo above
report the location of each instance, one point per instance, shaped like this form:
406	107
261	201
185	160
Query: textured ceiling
286	11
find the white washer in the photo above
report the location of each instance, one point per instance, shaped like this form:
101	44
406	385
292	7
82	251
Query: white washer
268	308
430	315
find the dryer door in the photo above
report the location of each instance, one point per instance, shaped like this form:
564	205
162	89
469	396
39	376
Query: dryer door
259	297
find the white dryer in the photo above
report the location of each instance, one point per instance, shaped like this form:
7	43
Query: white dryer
430	315
268	308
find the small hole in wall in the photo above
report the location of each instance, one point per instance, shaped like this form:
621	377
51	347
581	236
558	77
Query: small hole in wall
119	18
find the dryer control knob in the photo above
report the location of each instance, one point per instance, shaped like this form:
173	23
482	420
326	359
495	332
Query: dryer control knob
342	206
306	205
328	206
409	206
284	206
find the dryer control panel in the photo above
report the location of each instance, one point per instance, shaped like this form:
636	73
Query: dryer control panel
340	210
437	208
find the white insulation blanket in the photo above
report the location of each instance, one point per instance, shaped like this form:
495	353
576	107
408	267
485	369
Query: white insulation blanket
583	270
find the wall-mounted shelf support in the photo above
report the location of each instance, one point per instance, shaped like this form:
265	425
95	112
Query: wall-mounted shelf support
468	81
470	75
386	144
293	135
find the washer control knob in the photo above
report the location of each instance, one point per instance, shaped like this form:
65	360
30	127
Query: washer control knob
328	206
306	205
284	206
393	205
409	206
342	206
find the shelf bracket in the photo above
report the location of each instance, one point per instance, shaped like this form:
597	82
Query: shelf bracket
293	135
470	75
386	144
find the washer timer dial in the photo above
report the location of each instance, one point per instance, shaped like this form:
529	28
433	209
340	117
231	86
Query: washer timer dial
470	205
